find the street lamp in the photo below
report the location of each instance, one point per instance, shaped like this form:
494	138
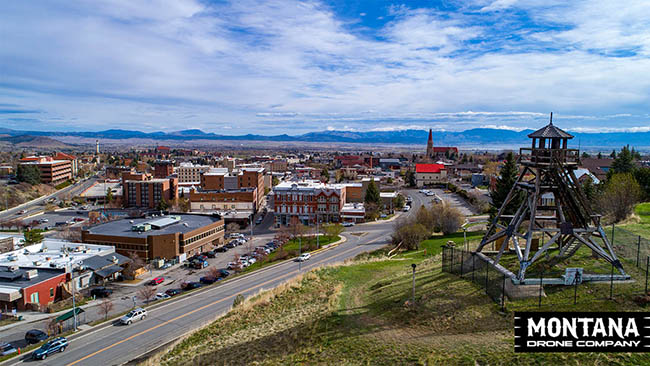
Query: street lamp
413	266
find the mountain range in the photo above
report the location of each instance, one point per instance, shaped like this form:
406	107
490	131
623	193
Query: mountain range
478	137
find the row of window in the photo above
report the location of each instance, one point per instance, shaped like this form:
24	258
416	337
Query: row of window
203	235
305	198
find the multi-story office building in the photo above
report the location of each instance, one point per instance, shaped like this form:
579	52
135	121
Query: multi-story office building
52	171
149	193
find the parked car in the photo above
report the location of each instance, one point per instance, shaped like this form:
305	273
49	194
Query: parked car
133	315
166	265
98	292
211	254
7	349
252	260
78	219
192	285
55	345
348	224
21	212
221	249
156	281
161	296
35	336
383	216
208	280
234	265
42	221
198	264
259	220
223	273
173	291
406	208
303	257
231	244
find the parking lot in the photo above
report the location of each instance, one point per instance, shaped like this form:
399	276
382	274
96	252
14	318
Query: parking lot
455	200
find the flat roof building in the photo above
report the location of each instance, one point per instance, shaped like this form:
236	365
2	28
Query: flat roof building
164	237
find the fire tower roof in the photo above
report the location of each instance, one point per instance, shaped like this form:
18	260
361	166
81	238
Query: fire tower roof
550	131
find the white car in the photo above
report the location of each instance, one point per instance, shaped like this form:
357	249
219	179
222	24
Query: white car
133	315
406	208
348	224
303	257
161	296
429	194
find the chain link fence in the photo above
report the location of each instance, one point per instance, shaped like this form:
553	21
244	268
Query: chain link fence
632	250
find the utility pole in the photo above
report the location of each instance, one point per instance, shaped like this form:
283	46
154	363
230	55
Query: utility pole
299	253
74	309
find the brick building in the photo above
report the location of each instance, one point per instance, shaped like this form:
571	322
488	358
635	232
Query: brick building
190	173
163	168
244	199
149	193
306	200
165	237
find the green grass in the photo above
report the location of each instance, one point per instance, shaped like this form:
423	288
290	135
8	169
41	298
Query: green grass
291	250
63	184
643	227
356	314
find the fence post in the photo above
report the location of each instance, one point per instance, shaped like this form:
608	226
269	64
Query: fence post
541	284
647	262
575	289
462	252
613	225
638	251
487	275
452	260
444	262
611	283
503	294
473	259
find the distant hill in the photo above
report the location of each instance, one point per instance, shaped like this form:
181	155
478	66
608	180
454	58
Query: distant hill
29	141
478	137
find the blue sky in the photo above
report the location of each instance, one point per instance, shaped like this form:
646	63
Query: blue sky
271	67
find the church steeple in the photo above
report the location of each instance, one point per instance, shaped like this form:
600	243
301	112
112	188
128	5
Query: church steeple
430	145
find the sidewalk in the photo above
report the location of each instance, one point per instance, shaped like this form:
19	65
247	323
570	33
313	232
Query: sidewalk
34	316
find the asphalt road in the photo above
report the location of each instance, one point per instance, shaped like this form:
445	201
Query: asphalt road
115	345
37	205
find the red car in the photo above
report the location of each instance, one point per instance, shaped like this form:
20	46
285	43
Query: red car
156	281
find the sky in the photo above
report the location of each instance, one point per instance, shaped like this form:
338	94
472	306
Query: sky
284	66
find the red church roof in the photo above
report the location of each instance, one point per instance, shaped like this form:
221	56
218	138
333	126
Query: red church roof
429	168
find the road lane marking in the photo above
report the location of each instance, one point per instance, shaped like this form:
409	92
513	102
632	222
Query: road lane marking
202	308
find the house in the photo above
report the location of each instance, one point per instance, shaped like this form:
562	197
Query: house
597	167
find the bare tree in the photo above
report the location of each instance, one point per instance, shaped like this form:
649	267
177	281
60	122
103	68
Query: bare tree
135	264
283	235
213	272
333	230
105	307
621	193
232	227
147	293
71	234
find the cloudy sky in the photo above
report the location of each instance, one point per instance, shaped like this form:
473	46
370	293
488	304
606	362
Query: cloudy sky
284	66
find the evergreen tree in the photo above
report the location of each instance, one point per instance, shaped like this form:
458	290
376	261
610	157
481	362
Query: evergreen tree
585	155
162	205
33	236
589	189
109	196
613	154
642	176
600	155
623	163
410	178
325	175
508	176
28	173
372	193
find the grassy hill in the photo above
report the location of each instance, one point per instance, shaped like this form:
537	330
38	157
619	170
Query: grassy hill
357	314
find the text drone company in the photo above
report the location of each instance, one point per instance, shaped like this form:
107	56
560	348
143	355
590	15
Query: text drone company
581	332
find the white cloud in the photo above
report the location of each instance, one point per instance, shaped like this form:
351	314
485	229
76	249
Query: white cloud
291	66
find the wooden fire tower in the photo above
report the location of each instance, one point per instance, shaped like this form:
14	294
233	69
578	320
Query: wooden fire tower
560	223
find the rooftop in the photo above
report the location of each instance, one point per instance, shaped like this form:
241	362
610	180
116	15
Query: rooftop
429	168
100	189
53	254
550	131
123	227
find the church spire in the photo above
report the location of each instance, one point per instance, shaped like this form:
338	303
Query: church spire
430	145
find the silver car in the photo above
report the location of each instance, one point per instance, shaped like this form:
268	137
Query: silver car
133	315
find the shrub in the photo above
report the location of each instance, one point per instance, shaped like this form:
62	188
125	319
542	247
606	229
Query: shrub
239	299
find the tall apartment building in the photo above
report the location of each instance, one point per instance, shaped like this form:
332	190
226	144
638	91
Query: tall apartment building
307	200
149	193
190	173
219	179
52	171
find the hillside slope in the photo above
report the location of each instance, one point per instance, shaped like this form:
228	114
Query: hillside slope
356	314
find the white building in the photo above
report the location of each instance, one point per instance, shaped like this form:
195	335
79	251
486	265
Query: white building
190	173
